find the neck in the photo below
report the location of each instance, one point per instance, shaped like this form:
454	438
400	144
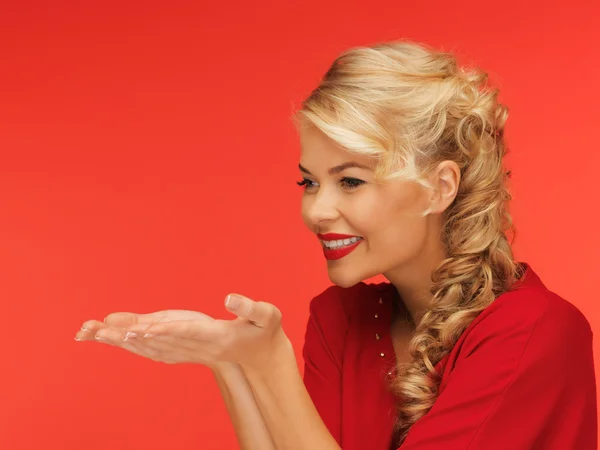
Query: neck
412	280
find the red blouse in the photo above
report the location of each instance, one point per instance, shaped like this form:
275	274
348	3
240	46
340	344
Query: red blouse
520	377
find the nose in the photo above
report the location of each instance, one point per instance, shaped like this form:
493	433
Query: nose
320	207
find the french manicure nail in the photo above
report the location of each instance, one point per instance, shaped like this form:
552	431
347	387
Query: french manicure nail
100	338
232	301
130	335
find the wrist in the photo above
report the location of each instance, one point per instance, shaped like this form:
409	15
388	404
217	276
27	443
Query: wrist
221	367
276	362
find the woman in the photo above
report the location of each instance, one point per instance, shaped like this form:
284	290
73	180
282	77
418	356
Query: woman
464	347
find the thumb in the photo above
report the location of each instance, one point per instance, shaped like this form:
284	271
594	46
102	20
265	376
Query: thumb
260	314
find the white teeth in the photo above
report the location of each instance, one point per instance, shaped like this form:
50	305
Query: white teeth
340	243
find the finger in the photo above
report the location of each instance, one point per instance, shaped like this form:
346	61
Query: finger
178	350
116	338
137	348
88	330
113	336
141	349
126	319
110	335
92	325
176	344
134	323
176	329
135	331
191	329
261	314
163	348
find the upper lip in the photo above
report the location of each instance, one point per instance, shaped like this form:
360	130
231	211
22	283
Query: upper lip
334	236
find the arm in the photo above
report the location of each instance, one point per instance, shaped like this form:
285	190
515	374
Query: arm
307	415
249	426
286	405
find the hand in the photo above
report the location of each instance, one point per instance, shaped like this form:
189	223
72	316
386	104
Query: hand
254	339
115	327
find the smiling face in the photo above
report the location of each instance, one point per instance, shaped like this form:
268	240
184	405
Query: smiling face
385	215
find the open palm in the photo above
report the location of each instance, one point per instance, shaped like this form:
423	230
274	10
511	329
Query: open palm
114	329
254	339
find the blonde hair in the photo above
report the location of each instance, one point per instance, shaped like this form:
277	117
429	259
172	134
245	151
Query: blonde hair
411	107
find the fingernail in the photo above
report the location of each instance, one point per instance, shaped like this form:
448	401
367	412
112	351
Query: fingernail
100	338
130	335
232	301
85	329
76	338
148	335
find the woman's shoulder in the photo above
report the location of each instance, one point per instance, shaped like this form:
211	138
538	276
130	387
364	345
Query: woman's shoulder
531	307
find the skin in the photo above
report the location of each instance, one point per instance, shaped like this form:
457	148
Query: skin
252	351
397	242
181	336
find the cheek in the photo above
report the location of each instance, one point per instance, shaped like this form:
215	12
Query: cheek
397	230
405	237
304	213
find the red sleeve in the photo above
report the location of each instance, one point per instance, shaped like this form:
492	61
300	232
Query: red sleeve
527	382
323	352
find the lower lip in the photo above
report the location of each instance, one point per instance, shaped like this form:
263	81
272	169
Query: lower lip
338	253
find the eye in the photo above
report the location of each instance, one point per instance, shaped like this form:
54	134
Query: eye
351	183
305	182
346	182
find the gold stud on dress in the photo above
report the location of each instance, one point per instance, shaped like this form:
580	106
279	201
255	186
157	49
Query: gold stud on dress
377	335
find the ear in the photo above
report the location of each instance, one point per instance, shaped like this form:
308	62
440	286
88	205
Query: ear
445	179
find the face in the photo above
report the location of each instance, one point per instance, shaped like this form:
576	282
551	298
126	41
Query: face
384	216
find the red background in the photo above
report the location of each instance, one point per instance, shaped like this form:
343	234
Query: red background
148	162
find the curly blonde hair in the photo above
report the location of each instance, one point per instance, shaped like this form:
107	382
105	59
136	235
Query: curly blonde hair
411	107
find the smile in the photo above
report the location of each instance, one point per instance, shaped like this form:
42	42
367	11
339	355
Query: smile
339	243
336	246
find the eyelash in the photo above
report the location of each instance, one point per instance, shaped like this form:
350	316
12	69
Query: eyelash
350	183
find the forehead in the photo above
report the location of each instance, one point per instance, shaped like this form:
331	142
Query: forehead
319	149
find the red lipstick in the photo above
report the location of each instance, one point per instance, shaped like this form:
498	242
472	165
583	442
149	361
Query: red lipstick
340	252
334	236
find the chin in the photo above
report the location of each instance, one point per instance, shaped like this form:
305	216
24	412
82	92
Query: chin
344	278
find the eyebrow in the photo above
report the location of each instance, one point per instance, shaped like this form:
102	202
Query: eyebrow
338	169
